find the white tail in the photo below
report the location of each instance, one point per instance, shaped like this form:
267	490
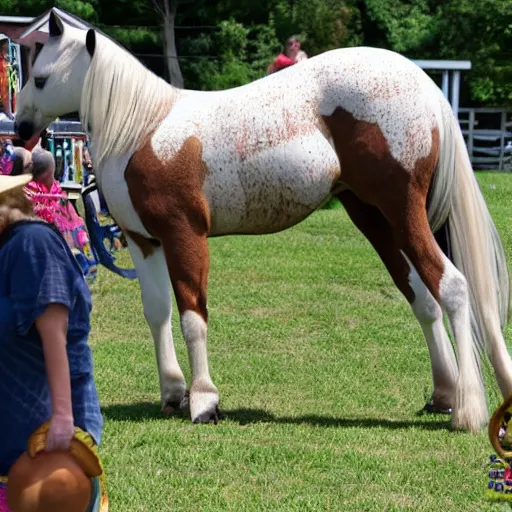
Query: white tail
477	251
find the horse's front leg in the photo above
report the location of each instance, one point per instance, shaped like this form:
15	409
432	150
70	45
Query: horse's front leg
186	251
156	298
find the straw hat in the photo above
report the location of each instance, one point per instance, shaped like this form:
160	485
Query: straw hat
9	182
58	481
48	482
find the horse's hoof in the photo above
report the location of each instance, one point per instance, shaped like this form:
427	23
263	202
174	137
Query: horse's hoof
204	403
209	417
168	410
175	406
432	408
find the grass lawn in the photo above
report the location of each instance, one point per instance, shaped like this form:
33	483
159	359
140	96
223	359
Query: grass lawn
321	369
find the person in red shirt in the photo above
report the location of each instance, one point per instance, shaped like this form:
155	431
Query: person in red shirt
291	55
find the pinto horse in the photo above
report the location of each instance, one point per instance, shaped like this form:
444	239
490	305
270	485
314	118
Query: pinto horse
364	125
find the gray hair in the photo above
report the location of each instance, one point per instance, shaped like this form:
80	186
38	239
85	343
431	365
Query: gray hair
42	161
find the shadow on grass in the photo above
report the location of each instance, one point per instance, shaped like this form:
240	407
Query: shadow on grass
133	412
151	410
249	416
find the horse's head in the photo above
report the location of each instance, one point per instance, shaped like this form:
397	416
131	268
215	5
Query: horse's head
56	82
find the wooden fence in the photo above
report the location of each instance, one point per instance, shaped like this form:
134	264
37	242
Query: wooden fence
488	134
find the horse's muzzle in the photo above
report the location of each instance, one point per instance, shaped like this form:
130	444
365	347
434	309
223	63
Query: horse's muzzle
25	129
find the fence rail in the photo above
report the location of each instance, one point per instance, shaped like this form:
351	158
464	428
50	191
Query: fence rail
488	135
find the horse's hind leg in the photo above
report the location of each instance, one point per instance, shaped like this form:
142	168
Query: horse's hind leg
156	299
449	288
370	221
444	365
396	180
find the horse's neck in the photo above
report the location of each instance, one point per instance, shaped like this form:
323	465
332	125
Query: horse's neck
119	131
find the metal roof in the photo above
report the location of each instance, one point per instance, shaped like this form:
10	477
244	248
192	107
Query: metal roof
38	30
449	65
16	19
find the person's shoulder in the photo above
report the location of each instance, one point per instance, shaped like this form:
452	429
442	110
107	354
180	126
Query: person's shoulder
37	228
56	188
33	187
35	233
36	243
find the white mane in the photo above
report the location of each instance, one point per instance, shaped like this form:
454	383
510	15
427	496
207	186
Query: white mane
122	101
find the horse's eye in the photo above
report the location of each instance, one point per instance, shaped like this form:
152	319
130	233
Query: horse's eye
40	81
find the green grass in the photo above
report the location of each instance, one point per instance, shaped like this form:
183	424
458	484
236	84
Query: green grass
321	369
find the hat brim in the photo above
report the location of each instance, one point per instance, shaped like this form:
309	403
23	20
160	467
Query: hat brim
9	182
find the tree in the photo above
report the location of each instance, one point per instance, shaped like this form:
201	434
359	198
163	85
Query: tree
449	29
482	32
167	10
321	24
87	10
230	42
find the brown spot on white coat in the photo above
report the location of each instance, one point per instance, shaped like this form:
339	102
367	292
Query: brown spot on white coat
169	200
379	180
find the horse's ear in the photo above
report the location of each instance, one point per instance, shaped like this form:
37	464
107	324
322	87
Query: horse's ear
56	25
90	41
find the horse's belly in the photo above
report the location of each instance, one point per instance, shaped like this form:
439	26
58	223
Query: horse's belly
273	189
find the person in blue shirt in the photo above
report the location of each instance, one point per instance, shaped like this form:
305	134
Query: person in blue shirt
46	368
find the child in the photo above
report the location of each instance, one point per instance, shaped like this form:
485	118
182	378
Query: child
51	204
46	368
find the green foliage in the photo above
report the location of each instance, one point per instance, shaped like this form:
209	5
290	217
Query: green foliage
136	37
231	42
265	46
231	73
84	10
242	55
480	31
399	25
452	29
321	24
243	51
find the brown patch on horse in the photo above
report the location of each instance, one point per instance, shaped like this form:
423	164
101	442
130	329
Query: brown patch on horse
169	200
324	129
146	245
378	179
